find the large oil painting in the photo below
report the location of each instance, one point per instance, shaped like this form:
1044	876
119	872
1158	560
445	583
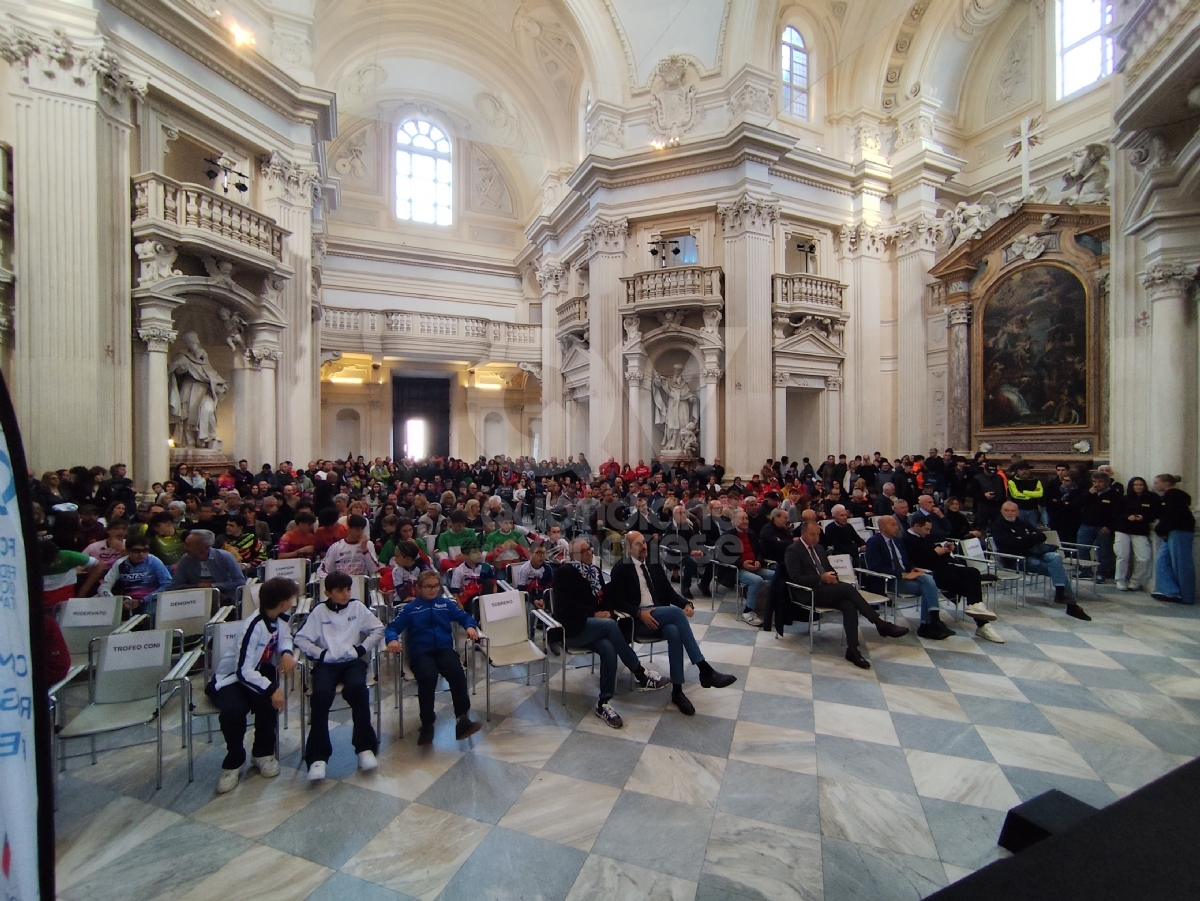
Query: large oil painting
1034	354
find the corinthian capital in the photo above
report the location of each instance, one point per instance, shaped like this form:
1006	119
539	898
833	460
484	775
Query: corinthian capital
958	314
550	275
748	214
607	236
293	182
1169	276
157	339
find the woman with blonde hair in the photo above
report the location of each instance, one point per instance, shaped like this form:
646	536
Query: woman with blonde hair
1174	571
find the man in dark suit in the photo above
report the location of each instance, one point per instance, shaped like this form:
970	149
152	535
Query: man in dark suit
927	553
642	589
885	554
808	566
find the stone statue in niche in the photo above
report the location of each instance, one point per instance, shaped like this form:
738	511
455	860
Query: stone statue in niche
1088	175
195	390
675	407
234	326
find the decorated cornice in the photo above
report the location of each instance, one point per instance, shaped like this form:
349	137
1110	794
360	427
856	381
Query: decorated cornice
748	214
921	234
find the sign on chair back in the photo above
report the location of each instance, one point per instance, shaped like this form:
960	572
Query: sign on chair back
188	610
82	619
295	569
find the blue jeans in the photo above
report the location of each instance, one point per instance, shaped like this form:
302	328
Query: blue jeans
753	582
673	625
1174	571
1104	545
926	588
604	637
1046	562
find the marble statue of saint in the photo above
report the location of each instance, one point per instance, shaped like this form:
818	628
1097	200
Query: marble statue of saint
195	390
674	400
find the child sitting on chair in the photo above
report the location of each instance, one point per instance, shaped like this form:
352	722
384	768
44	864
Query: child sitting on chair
247	681
406	569
338	638
429	620
473	576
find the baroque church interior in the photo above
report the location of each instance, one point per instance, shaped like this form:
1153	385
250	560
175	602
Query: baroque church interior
687	230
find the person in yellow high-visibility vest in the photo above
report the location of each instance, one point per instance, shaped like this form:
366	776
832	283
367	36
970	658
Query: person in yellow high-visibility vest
1026	492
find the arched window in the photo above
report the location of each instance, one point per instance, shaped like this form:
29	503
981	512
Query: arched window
1085	43
795	74
423	173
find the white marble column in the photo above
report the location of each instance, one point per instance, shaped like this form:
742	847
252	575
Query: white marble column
1167	286
749	407
633	431
570	430
781	383
151	413
606	246
861	248
958	374
710	418
915	248
833	411
553	279
72	352
289	199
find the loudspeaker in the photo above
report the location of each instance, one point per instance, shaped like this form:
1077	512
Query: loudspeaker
1041	817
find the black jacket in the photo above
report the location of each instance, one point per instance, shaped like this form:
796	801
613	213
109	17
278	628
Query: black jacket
842	540
1144	505
574	602
1016	538
624	592
1175	515
773	542
1100	508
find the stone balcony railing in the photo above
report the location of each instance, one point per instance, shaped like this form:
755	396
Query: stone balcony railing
571	316
1147	27
193	218
814	290
426	336
676	287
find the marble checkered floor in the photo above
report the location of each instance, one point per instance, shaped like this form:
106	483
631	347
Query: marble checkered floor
807	779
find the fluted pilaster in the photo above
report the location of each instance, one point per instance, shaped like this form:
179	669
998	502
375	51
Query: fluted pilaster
606	245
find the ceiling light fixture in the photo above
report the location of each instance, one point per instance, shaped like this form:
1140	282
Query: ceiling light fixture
242	37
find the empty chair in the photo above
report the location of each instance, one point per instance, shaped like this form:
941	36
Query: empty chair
130	684
504	639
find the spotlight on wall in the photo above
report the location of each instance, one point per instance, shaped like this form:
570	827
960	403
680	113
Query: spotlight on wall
661	246
223	168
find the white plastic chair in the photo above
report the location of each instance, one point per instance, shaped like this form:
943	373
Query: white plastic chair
126	686
504	639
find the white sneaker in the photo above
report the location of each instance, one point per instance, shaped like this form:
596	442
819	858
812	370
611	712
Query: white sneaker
987	633
1135	586
606	712
228	781
367	761
316	771
979	611
1122	586
267	766
751	618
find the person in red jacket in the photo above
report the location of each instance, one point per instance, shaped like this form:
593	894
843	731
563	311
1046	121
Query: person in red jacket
57	657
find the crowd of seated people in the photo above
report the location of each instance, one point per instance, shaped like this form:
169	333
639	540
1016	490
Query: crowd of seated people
549	525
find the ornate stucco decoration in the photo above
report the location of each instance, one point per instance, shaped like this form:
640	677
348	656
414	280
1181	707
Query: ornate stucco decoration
298	183
57	54
675	107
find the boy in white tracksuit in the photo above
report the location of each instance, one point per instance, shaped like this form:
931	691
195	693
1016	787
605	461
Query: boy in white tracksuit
338	638
247	681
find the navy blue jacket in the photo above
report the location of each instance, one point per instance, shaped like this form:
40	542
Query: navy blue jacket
429	624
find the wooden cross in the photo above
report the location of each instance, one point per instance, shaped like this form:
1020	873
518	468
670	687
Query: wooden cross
1025	138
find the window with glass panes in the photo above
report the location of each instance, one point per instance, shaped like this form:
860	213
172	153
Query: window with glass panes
424	179
1085	43
795	74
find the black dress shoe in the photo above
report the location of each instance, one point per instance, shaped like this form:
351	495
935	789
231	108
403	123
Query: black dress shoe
687	594
425	736
890	630
1167	598
857	659
465	727
712	679
1076	611
933	631
706	591
679	699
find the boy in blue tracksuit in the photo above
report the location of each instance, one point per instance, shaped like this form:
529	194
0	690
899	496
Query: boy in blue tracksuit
429	620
